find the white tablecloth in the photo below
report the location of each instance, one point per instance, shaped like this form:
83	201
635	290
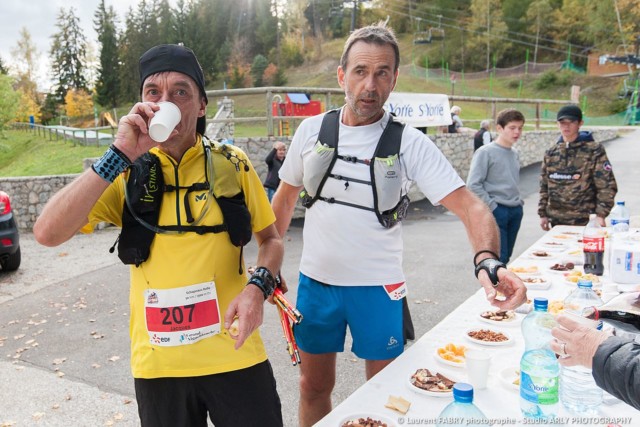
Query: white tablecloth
500	400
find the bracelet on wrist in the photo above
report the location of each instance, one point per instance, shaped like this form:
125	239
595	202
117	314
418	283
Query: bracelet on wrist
112	163
484	251
264	280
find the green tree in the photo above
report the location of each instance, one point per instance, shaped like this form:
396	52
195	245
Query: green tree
490	37
107	85
68	54
8	102
259	65
539	16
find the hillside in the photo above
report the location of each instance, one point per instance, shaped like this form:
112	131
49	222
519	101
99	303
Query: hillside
598	94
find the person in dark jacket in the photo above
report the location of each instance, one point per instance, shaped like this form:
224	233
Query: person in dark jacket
614	361
274	160
576	178
483	136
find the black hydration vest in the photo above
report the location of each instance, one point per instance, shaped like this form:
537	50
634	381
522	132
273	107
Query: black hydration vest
143	197
387	150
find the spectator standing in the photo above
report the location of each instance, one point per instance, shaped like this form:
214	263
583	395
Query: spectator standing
274	161
456	121
351	262
494	176
187	279
577	178
483	136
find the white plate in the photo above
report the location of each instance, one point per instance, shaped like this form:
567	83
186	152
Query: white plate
526	269
383	418
550	270
543	284
548	256
512	322
508	376
427	392
553	246
508	341
447	362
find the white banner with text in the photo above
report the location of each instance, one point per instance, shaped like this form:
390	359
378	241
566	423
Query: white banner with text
420	109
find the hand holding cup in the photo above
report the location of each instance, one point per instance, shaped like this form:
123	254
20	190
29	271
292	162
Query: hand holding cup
164	121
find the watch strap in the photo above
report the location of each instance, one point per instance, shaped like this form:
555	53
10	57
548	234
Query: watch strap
491	266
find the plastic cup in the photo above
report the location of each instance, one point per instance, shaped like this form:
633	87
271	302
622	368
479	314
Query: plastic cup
477	362
165	120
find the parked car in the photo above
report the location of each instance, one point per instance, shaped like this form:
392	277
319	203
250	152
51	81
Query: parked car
9	236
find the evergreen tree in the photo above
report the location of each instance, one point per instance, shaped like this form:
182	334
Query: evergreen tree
260	63
68	51
108	82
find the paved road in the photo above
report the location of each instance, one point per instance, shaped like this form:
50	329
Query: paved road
64	315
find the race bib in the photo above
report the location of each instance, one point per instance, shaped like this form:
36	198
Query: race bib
397	291
182	316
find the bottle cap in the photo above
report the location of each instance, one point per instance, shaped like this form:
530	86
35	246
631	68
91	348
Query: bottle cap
621	203
584	283
540	304
463	392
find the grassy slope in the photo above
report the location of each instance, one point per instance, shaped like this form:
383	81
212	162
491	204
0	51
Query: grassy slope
23	154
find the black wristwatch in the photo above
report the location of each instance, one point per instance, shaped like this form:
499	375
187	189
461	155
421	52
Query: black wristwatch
263	279
491	266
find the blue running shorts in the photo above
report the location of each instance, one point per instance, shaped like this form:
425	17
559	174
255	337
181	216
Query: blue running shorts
374	320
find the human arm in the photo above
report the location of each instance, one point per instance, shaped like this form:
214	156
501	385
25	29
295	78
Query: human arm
477	176
67	211
544	197
605	184
283	204
614	361
483	235
248	306
486	138
269	159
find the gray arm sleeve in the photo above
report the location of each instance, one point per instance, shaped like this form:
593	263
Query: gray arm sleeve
477	176
616	369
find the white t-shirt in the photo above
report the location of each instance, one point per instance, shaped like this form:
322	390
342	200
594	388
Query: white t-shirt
347	246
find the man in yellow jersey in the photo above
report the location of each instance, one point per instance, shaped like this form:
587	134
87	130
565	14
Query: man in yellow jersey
186	206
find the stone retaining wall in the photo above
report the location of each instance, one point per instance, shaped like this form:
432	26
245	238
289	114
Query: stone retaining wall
29	194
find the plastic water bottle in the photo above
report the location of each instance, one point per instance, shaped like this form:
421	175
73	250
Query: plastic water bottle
593	241
619	218
578	390
539	368
462	411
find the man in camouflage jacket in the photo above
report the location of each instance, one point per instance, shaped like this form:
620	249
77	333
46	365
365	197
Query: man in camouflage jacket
577	178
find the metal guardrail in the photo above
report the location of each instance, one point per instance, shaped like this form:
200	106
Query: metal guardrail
89	136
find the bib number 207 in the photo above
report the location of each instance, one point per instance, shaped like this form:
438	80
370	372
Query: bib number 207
176	315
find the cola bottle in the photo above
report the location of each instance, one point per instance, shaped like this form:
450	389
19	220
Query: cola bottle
593	241
624	308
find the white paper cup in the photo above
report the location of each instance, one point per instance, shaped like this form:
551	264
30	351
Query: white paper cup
477	363
165	120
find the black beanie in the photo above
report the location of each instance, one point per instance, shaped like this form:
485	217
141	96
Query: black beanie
173	57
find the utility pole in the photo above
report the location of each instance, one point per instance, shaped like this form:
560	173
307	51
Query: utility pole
353	15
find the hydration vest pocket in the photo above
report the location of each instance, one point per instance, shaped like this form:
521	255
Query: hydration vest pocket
316	167
388	182
144	189
390	218
237	218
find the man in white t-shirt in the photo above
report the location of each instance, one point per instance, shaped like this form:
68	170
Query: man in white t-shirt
351	267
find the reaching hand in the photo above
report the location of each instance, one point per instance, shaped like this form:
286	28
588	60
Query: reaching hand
576	343
509	284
